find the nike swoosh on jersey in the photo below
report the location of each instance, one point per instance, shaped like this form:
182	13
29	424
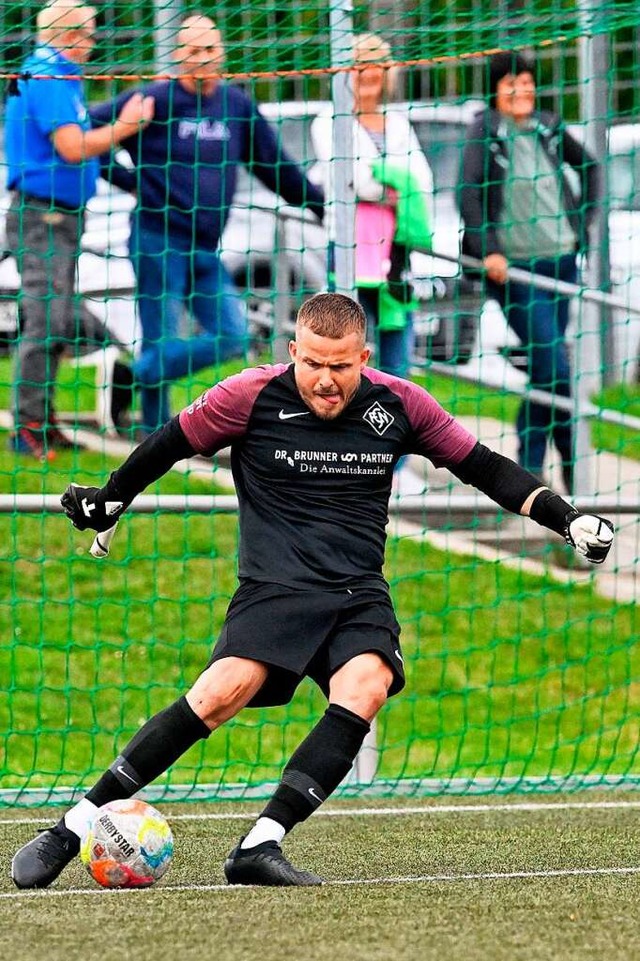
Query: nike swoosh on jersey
300	413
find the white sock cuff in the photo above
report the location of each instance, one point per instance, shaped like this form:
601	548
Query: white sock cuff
78	819
265	829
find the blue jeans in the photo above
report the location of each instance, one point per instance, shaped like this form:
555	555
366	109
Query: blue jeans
540	319
171	280
393	347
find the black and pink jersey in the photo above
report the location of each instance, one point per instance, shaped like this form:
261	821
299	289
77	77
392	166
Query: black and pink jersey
314	493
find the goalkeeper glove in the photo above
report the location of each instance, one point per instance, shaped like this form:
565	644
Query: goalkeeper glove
589	535
88	507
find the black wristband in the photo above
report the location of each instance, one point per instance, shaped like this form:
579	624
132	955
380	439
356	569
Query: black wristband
552	511
110	492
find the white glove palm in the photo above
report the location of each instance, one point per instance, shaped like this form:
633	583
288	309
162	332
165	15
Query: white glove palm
591	536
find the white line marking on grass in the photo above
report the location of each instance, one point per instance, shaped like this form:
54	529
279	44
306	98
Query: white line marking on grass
351	882
491	876
428	810
526	806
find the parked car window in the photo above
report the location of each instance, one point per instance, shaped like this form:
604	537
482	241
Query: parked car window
442	144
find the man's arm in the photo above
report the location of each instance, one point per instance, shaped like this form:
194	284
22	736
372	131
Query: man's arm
217	418
446	443
75	144
277	170
114	172
520	492
98	508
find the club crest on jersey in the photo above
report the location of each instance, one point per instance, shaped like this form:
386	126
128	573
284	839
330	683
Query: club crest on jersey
379	418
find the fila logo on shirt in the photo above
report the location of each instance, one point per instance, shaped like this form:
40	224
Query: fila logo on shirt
203	129
379	418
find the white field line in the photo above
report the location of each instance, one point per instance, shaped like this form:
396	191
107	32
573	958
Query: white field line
526	806
412	879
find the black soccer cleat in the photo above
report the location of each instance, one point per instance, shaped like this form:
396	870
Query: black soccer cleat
38	863
266	864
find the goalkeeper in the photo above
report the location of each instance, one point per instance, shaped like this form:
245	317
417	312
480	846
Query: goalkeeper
314	444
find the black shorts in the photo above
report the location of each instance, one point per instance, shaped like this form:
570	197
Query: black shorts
300	633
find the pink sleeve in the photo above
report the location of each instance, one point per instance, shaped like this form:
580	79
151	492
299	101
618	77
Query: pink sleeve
221	414
438	435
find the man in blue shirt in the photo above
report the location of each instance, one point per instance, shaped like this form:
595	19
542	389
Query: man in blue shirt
52	155
185	169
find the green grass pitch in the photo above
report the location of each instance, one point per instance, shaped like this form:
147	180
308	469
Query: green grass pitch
555	883
508	674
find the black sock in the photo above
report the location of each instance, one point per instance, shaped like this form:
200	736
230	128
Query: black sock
156	746
317	766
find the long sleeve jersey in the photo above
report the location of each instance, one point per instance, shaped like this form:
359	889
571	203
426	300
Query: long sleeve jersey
314	493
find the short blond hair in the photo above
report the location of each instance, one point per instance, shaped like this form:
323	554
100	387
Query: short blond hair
58	16
332	315
370	48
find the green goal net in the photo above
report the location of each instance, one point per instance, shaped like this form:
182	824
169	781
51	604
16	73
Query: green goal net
522	666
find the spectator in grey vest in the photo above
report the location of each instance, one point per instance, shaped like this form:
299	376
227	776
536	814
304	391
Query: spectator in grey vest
53	165
520	209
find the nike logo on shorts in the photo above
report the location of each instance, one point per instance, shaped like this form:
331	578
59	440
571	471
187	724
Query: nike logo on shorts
314	795
301	413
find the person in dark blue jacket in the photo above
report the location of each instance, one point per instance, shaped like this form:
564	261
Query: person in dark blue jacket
185	169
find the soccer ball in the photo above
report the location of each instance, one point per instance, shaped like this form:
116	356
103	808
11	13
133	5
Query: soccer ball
129	845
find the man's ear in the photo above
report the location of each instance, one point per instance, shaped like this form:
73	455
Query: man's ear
293	349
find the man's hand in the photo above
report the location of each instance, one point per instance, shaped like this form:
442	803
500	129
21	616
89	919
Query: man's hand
591	536
87	507
496	266
136	114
